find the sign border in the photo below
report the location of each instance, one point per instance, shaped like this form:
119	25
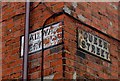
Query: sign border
85	51
40	29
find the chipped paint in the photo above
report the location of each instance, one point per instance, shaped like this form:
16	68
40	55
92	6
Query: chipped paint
66	9
74	75
49	77
114	6
74	4
51	37
111	24
81	17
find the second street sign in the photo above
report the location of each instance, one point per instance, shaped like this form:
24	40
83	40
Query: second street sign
93	44
52	35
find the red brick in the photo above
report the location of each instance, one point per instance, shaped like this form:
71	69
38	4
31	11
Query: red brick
56	62
13	25
93	65
35	75
46	65
70	62
7	71
57	76
69	69
47	72
16	75
17	62
35	69
58	69
35	56
17	68
68	75
5	77
57	56
48	58
103	75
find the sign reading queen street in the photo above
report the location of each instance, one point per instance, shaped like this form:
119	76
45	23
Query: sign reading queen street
52	35
93	44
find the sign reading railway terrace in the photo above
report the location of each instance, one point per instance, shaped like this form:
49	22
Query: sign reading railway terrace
93	44
52	35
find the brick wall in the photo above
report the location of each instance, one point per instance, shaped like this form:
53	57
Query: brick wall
13	23
12	28
86	65
68	63
103	18
0	47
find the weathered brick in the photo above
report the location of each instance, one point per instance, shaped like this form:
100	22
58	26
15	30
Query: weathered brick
7	72
68	75
56	62
47	72
16	75
58	76
57	69
32	70
35	75
61	60
56	49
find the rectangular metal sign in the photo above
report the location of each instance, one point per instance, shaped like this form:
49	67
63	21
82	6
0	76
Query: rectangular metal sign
93	44
52	35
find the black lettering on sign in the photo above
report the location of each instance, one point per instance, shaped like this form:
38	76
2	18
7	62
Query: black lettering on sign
50	37
100	42
30	47
85	36
107	55
95	40
98	51
46	32
38	35
52	31
40	44
31	37
93	44
93	49
83	44
102	53
90	38
35	36
105	45
88	46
